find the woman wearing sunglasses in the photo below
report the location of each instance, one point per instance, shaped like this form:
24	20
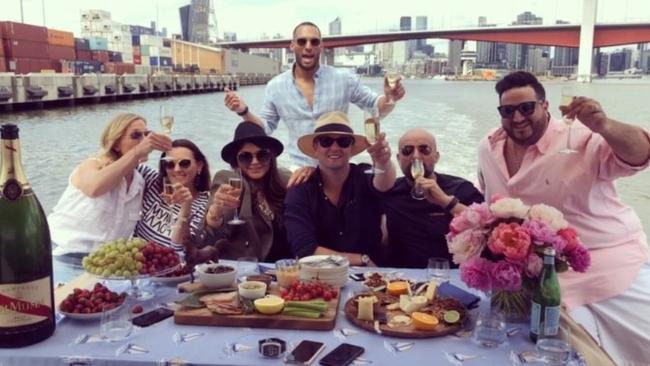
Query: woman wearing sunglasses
260	200
104	195
186	169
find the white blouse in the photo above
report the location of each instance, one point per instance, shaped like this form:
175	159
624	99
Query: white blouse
79	224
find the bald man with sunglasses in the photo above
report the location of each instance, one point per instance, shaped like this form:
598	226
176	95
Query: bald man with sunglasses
417	228
308	90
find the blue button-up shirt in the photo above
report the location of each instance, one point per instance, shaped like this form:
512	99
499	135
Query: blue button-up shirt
334	90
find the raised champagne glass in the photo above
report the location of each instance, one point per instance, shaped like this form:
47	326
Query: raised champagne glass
166	120
392	77
168	192
568	93
371	127
417	171
236	182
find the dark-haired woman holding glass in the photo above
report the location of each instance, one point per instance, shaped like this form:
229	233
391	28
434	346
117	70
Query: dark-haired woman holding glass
259	202
184	169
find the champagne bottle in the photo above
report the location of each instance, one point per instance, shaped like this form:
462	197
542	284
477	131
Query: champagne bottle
546	300
26	295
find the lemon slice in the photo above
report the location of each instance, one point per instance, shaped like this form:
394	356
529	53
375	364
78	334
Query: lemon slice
269	304
451	316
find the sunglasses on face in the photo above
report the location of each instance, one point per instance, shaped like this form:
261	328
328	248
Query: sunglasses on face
409	149
246	157
525	108
171	164
315	42
327	141
139	135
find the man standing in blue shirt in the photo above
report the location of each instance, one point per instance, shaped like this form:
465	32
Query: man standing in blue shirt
302	94
337	210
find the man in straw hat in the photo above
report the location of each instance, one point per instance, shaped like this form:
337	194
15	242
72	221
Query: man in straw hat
307	90
338	211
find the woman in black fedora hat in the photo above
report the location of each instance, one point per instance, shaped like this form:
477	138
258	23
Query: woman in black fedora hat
260	200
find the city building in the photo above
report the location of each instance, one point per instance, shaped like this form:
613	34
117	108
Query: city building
453	57
335	27
195	25
490	54
644	57
517	54
421	25
620	60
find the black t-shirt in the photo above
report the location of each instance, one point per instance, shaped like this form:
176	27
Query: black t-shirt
353	225
417	229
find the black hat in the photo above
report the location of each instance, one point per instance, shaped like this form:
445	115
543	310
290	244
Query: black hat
249	132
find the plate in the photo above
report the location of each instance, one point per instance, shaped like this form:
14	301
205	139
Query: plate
89	316
171	280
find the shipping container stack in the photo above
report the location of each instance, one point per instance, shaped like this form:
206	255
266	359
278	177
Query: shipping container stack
25	48
85	63
62	50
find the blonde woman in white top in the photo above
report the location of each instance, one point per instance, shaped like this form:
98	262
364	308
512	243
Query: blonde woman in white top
104	195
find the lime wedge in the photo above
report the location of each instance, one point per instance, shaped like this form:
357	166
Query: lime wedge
451	316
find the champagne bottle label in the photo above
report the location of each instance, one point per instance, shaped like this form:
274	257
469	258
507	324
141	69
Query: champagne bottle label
12	190
25	303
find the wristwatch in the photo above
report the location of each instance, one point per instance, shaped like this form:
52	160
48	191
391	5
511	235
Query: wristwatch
365	260
272	347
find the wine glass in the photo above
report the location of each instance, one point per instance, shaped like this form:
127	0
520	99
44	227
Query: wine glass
236	182
568	93
371	126
115	324
166	120
417	171
168	192
438	269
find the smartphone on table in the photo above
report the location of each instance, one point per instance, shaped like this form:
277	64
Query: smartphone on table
342	355
304	353
152	317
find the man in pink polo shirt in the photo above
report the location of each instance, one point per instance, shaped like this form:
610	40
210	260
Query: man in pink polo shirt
522	159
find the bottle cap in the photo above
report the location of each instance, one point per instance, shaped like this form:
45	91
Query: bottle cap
9	131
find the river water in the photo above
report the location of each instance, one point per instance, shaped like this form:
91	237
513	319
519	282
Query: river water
458	113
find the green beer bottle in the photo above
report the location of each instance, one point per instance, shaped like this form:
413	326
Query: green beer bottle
546	299
26	295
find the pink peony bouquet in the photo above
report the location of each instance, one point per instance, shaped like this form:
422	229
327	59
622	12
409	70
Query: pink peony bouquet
500	246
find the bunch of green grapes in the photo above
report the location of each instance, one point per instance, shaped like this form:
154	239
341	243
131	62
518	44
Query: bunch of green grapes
118	258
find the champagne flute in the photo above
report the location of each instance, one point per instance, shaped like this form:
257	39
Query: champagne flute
417	171
392	76
168	192
371	127
568	93
166	120
236	182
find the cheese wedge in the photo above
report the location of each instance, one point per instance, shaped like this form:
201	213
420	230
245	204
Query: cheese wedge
412	304
432	290
365	311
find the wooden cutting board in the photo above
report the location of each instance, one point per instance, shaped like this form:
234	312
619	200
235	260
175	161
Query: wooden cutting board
203	316
402	331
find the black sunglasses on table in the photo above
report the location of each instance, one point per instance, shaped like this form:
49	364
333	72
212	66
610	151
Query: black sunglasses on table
525	108
246	157
139	135
171	164
327	141
315	42
424	149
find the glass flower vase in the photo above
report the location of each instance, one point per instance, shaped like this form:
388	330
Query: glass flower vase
514	305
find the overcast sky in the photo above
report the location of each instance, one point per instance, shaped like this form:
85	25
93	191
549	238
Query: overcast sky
251	18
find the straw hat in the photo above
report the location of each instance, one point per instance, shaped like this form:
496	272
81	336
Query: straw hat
332	123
